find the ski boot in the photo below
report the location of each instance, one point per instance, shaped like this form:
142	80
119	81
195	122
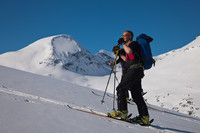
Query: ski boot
143	120
119	114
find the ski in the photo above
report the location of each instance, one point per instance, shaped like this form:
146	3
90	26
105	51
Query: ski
102	95
102	114
92	112
96	94
143	93
87	111
129	102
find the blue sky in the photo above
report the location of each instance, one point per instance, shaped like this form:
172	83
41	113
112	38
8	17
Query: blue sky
98	24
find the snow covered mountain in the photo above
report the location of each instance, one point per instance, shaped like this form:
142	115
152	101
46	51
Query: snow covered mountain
56	54
33	103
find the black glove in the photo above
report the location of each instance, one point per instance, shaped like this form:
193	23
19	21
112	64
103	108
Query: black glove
121	41
115	48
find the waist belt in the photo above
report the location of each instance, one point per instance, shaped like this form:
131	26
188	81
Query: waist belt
136	66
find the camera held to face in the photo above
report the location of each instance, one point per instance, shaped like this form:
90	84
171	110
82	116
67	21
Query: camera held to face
121	41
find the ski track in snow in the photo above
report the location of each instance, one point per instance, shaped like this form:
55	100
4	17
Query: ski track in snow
42	99
122	123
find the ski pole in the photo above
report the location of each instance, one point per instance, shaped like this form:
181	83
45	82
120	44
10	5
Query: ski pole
115	77
102	101
114	92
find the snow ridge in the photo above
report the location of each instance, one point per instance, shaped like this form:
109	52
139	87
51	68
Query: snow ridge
192	45
55	55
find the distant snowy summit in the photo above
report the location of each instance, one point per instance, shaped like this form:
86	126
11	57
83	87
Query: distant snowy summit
55	54
195	44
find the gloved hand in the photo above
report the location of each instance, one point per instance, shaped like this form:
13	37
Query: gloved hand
121	41
115	48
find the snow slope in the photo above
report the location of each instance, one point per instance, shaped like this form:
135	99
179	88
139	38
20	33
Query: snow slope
174	82
32	103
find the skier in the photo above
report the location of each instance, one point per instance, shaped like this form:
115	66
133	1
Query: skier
131	80
122	62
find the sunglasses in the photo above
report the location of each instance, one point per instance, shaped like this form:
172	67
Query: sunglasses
125	35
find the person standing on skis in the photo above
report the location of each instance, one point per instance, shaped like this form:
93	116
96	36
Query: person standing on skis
131	80
122	62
